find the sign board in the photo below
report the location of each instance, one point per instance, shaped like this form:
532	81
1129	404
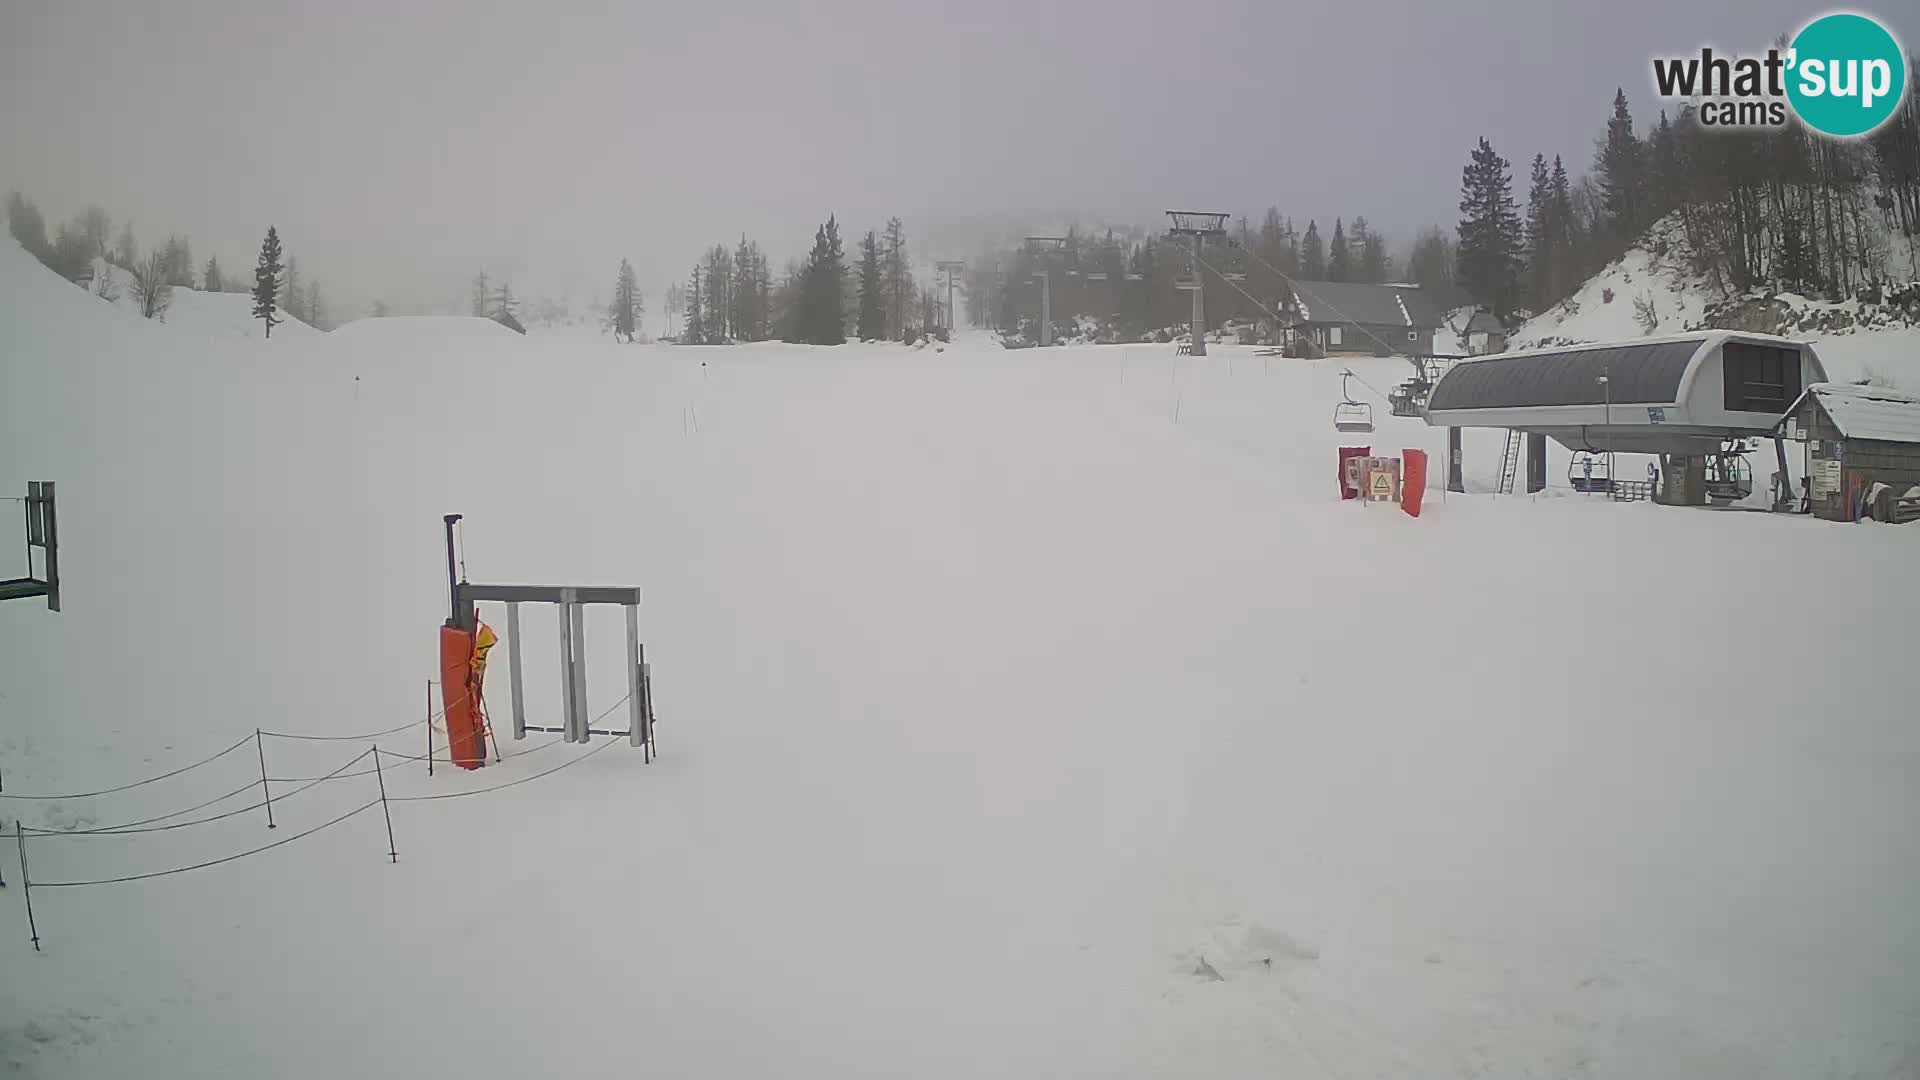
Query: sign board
1826	479
1656	415
1382	479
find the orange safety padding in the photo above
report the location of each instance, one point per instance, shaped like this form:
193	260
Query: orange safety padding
1413	480
459	697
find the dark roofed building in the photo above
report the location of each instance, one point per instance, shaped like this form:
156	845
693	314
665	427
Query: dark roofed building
1862	449
1334	317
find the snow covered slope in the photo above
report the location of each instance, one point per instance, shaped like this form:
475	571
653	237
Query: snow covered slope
1027	714
205	314
1652	290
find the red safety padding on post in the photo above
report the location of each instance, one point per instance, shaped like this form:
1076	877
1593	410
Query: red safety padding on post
458	700
1348	491
1413	480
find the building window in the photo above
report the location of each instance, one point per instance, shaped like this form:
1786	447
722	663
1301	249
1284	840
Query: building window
1759	378
1333	335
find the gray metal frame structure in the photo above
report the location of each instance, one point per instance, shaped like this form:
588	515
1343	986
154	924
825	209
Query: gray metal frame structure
1197	226
571	602
1044	248
43	532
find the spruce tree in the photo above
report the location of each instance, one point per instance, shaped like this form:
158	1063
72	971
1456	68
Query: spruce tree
481	295
872	322
28	226
316	308
1488	256
293	298
626	301
693	331
898	279
1339	261
1374	267
1620	168
1430	264
266	281
126	255
1541	249
1313	259
823	291
215	282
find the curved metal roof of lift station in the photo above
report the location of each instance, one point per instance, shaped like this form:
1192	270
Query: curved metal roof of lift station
1655	395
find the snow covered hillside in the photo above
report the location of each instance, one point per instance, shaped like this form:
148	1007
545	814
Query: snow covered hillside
1653	290
204	314
1033	713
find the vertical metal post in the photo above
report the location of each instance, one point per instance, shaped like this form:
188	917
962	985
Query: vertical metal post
26	882
580	719
566	671
453	586
1199	306
1456	480
50	519
260	747
393	852
513	669
646	691
429	727
1536	463
636	707
1046	307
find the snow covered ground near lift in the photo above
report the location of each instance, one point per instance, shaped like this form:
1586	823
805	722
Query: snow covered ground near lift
998	691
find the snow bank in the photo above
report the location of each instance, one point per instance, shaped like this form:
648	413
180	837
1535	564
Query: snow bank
423	330
999	691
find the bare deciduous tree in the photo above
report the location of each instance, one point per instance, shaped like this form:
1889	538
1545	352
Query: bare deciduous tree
152	291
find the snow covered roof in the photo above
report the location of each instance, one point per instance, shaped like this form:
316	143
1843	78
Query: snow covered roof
1868	412
1372	305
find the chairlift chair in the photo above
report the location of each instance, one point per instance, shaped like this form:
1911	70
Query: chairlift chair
1729	478
1589	471
1351	415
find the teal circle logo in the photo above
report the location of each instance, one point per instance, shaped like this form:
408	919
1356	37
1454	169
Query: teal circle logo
1846	75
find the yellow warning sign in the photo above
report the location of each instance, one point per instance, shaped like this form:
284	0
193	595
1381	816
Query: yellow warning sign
1382	486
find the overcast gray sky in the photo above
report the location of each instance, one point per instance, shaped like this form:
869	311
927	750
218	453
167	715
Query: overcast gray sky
400	144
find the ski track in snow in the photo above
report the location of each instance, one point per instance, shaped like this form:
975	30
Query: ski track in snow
996	702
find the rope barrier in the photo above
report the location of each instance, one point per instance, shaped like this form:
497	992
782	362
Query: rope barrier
139	783
242	789
502	787
430	718
364	807
336	774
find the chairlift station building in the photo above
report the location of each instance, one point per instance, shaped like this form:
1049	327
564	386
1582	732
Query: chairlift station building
1684	397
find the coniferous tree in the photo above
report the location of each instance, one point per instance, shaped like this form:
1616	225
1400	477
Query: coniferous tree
126	255
178	255
98	229
266	281
1488	256
379	310
213	280
823	289
1313	258
482	295
1620	168
69	258
872	322
694	331
625	312
293	297
1541	249
1430	263
316	308
897	277
1375	267
1339	262
25	222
